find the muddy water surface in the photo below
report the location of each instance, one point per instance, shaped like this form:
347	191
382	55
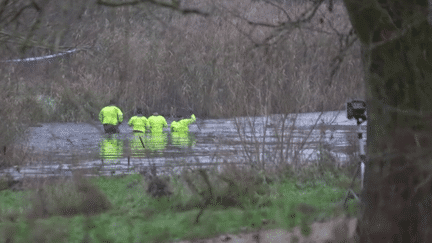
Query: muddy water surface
60	148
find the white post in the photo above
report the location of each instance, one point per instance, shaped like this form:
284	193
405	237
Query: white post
362	153
362	173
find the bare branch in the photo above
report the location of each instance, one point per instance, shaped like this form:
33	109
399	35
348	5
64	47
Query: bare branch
14	39
174	6
118	4
263	24
280	30
280	8
312	11
242	32
3	7
36	6
337	61
15	12
318	30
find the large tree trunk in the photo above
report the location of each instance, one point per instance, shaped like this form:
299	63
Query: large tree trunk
397	48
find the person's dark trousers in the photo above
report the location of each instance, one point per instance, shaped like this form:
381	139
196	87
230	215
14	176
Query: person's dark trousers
111	129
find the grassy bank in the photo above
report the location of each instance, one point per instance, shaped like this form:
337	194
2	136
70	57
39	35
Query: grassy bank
144	208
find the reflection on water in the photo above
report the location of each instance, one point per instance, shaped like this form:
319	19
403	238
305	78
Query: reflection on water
111	148
156	141
140	145
137	145
183	139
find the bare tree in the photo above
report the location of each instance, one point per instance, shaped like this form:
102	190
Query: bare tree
34	27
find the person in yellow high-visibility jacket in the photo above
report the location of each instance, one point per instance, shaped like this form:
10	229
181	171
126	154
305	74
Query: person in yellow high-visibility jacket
111	117
157	123
182	125
157	139
139	123
180	132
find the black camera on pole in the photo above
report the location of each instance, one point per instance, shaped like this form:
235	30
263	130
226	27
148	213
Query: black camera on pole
356	109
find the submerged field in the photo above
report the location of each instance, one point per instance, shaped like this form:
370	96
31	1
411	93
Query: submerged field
193	205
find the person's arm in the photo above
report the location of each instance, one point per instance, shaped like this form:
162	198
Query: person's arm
191	120
101	116
130	123
149	120
119	115
173	125
187	122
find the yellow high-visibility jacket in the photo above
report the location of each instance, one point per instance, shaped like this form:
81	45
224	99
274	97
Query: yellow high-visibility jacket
111	115
182	125
157	123
139	123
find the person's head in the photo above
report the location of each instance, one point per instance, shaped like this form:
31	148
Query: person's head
155	114
139	111
112	102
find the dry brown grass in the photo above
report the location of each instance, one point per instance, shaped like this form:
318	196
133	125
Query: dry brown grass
13	155
231	186
160	59
341	229
67	197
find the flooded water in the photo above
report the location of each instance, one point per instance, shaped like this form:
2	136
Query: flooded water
60	148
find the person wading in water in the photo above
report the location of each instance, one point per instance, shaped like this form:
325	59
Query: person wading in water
111	117
139	122
139	125
158	139
180	132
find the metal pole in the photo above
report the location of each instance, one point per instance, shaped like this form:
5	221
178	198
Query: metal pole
362	152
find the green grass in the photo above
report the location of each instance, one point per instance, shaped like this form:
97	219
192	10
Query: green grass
135	216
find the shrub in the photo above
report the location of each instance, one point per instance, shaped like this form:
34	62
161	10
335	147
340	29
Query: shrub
68	198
